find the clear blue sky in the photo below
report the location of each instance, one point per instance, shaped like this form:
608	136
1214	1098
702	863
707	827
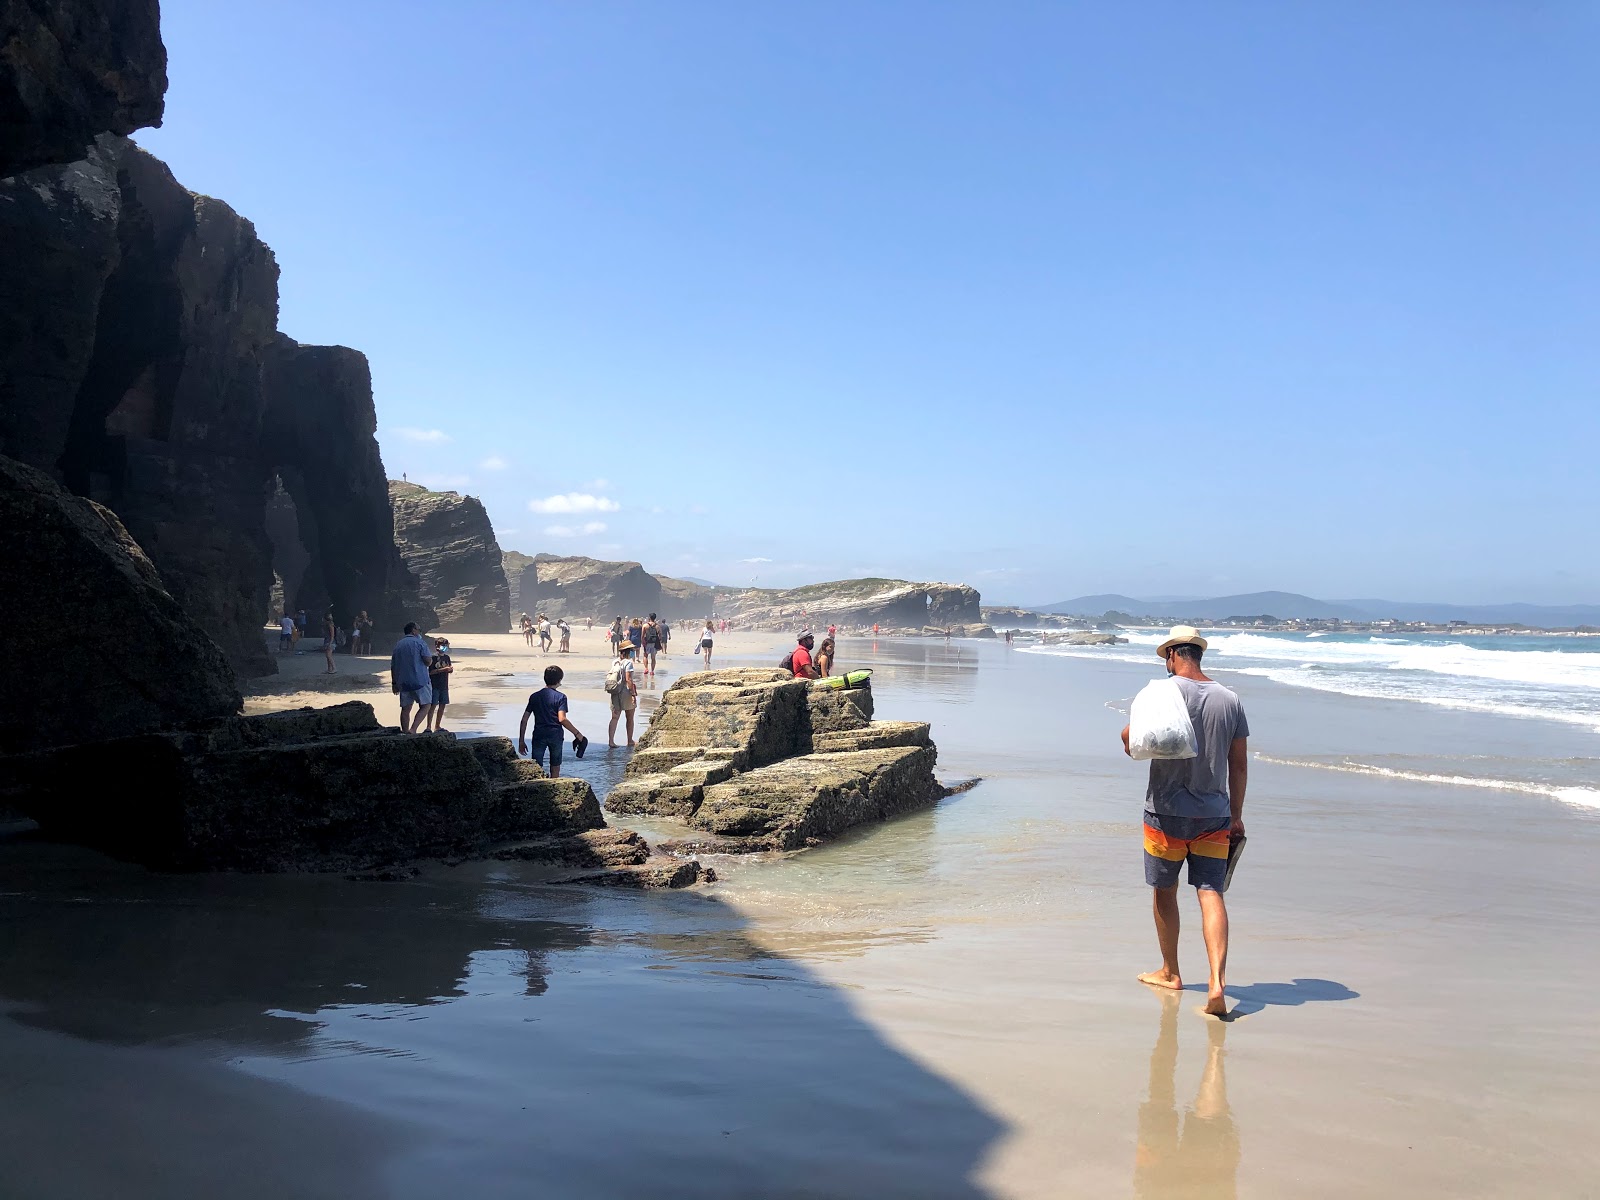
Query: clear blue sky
1167	298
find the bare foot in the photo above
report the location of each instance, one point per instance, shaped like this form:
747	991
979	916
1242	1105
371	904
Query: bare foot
1216	1005
1162	979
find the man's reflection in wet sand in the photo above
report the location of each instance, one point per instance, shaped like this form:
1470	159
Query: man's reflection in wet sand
1200	1161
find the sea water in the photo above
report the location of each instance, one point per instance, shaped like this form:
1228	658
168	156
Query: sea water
1548	680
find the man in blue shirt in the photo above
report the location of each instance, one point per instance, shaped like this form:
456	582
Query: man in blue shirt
548	708
408	677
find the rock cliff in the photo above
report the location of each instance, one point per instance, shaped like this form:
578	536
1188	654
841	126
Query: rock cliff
319	438
141	367
123	657
514	563
73	69
893	603
447	541
585	587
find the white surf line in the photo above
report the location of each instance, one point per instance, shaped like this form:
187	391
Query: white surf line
1578	797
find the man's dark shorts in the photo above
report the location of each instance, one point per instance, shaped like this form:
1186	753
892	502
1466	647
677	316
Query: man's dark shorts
1202	842
546	740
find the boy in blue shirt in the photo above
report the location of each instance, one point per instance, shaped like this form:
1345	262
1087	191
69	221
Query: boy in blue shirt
548	708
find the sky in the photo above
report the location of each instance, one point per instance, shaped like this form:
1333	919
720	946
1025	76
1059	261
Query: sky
1049	298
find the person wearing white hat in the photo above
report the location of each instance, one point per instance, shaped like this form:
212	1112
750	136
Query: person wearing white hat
1194	809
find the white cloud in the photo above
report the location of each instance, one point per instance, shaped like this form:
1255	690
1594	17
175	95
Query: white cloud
436	436
445	483
494	463
755	560
597	485
565	531
574	502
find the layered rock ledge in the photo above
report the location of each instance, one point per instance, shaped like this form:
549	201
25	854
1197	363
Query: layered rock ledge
761	761
447	541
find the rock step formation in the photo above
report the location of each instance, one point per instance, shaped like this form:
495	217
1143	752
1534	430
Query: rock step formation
310	789
623	856
762	761
446	540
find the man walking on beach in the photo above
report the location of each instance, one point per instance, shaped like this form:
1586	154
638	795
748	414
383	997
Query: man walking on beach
408	677
1194	807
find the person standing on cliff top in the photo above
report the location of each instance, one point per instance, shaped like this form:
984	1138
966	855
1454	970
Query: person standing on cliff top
1194	808
408	677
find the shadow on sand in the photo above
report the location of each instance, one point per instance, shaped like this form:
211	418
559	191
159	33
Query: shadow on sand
466	1032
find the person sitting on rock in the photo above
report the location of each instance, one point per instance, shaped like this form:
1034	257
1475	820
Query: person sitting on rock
825	657
804	667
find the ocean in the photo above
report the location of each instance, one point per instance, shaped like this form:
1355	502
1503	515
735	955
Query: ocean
1552	681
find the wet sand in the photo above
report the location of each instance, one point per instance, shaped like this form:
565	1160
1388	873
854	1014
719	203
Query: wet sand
942	1006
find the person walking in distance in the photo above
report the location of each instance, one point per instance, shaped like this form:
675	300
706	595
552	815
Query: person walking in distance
705	642
330	634
408	677
548	708
652	644
624	691
615	634
1194	807
565	630
544	634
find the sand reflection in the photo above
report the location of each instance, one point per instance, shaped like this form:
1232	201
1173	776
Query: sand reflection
1199	1159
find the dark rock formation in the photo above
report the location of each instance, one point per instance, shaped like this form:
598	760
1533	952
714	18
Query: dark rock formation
122	656
447	541
140	366
144	392
319	436
311	789
763	761
893	603
72	69
514	563
681	598
1026	618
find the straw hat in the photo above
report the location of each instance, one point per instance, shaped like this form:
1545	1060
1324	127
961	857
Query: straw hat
1181	635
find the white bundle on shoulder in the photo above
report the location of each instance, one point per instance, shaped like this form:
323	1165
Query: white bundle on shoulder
1159	724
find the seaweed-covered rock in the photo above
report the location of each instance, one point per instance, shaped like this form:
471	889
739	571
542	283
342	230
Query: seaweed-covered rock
72	69
447	541
314	789
123	656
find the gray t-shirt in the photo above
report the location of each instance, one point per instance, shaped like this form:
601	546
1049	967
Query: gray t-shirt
1198	786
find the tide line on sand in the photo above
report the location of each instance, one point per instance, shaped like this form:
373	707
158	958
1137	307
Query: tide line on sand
1578	797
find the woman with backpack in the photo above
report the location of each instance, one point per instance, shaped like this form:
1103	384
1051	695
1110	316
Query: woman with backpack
652	644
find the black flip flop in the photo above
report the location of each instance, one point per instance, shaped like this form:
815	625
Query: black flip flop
579	745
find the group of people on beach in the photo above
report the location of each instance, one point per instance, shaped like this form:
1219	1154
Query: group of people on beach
540	627
419	673
358	640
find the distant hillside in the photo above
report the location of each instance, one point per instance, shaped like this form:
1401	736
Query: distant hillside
1291	604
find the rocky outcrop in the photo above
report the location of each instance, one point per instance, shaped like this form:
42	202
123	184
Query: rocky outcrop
146	396
681	598
310	789
1026	618
1089	638
448	543
762	761
319	439
892	603
122	657
72	69
587	587
513	563
140	366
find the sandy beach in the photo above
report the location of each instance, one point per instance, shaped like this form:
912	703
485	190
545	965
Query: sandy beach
943	1006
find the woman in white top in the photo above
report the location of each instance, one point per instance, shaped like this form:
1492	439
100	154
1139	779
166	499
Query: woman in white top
705	642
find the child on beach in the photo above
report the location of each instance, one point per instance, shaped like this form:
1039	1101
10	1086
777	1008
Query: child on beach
548	708
439	670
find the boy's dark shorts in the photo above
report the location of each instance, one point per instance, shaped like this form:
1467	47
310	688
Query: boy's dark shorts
1202	842
544	740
